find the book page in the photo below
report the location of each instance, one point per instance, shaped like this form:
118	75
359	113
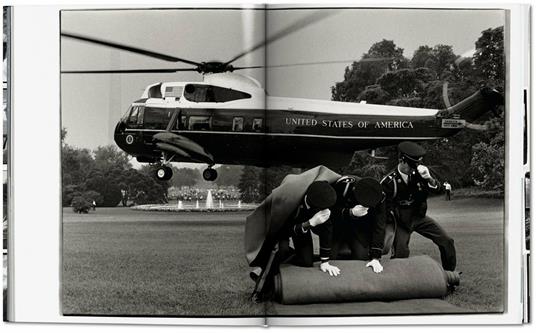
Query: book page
391	94
123	246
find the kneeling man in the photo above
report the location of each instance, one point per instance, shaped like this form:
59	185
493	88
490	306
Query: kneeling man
313	215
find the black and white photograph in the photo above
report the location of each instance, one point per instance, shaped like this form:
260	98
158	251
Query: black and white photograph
279	161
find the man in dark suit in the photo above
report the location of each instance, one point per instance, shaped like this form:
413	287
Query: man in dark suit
359	220
313	215
406	191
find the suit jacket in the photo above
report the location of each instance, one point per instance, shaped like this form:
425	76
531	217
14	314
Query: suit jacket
265	222
372	224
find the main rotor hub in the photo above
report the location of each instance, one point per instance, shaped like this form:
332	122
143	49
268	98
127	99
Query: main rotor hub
214	67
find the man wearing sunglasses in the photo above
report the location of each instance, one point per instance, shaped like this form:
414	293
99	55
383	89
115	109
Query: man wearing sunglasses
406	190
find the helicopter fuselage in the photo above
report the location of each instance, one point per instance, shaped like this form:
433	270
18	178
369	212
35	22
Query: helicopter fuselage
260	130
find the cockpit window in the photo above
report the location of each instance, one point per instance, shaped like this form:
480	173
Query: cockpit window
134	117
200	93
157	118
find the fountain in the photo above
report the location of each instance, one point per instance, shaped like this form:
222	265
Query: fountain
209	204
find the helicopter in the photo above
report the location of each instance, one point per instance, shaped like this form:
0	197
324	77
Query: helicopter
229	119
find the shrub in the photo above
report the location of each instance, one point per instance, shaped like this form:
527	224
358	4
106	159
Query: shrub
80	205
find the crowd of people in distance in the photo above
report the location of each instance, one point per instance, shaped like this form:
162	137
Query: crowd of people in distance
193	194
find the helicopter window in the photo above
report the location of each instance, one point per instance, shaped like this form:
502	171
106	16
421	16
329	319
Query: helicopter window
226	95
133	117
141	111
195	93
173	91
257	125
238	124
199	123
212	94
184	122
156	118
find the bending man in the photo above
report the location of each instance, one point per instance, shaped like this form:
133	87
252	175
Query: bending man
359	220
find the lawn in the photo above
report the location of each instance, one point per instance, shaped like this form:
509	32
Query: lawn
122	262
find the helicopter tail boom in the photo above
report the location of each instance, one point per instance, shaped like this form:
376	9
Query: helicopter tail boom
469	109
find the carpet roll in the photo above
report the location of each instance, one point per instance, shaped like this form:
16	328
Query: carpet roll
414	277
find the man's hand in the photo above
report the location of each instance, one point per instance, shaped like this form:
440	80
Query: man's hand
327	268
376	266
424	172
320	217
359	211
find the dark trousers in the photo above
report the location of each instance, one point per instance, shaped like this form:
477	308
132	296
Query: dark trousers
447	195
429	228
355	237
303	249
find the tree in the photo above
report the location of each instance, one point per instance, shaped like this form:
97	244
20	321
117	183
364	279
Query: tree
388	49
274	176
421	56
185	177
93	196
440	59
489	57
68	193
76	163
81	205
229	175
374	95
144	181
356	79
363	165
362	74
109	157
251	185
488	163
105	183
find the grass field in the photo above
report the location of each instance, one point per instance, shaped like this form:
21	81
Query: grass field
118	261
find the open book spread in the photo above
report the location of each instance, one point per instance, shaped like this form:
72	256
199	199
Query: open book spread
268	164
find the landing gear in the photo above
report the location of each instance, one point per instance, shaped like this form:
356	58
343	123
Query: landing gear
163	173
210	174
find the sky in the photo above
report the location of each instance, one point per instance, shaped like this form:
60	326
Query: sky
93	103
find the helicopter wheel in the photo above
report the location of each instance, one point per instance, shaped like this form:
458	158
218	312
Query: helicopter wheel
163	173
210	174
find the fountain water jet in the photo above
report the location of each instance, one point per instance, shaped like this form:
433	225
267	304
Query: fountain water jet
210	202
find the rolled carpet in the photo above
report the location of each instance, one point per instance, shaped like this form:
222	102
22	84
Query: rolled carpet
414	277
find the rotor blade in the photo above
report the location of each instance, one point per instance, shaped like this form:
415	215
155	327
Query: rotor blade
148	53
332	62
130	71
300	24
349	61
248	67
